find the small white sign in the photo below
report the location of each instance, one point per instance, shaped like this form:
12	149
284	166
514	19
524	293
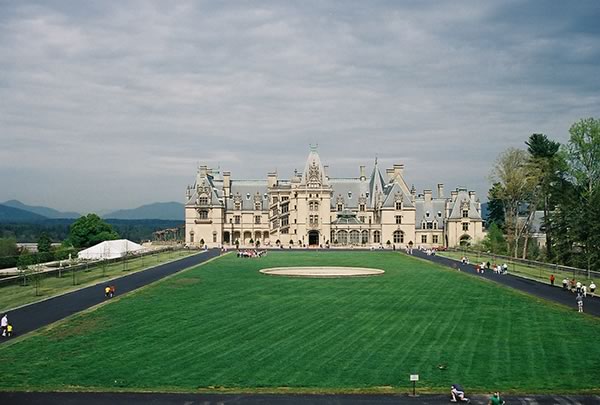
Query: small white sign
414	377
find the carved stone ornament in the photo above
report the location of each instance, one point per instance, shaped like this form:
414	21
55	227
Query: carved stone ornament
339	199
314	176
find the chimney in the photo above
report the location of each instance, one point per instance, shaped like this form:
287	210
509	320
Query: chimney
390	174
398	170
203	170
427	195
227	183
326	171
440	190
362	173
453	194
272	179
472	196
413	193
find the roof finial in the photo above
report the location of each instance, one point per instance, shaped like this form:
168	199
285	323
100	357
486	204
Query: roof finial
313	148
375	159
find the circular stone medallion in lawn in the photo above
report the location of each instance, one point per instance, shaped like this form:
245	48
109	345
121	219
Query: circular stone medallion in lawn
322	272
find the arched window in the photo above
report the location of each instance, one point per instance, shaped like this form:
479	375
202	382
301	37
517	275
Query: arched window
376	237
364	237
342	237
398	237
354	237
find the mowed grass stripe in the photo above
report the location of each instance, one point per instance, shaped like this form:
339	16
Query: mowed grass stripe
226	325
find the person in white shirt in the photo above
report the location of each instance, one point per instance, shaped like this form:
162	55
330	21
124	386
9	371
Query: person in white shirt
592	288
4	324
584	290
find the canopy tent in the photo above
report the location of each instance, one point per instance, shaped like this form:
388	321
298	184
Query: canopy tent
110	249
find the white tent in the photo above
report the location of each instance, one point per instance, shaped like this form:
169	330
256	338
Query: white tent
110	249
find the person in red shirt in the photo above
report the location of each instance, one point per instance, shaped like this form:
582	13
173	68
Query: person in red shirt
552	280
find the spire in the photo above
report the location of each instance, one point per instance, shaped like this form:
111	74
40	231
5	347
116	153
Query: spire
376	183
314	173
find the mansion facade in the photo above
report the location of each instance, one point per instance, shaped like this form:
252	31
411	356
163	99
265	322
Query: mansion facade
313	209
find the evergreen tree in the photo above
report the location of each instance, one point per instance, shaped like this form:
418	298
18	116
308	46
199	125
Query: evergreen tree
90	230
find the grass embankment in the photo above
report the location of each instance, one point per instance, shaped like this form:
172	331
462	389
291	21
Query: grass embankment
17	294
532	271
225	326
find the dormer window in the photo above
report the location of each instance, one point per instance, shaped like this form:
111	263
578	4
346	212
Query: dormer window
238	205
367	194
465	214
398	205
349	194
247	196
439	214
203	200
265	196
361	208
427	214
340	207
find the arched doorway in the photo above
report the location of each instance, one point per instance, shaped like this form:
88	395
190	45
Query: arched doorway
313	238
465	240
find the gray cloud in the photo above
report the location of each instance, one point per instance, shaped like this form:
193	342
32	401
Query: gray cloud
114	104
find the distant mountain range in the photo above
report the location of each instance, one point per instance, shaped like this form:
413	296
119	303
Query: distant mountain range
43	211
167	211
14	211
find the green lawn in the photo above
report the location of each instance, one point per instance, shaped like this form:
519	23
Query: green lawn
17	294
225	326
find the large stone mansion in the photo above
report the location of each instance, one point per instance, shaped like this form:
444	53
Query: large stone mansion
313	209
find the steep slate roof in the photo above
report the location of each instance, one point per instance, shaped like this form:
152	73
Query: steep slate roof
247	189
435	206
390	196
350	191
456	209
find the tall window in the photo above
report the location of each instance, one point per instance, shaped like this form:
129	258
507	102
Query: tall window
423	238
465	226
430	225
285	221
275	200
237	219
258	206
339	207
285	208
364	237
361	219
434	239
376	237
398	237
361	207
354	237
192	237
214	237
398	219
203	214
313	206
398	205
257	219
465	214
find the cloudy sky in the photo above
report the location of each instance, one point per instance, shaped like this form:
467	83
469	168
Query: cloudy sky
113	104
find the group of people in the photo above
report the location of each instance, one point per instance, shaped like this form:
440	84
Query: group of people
577	287
251	253
496	268
109	291
457	393
6	326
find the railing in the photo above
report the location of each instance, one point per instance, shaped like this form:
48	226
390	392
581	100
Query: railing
527	268
71	269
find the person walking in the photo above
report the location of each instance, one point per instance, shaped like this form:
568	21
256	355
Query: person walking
579	300
584	290
552	280
496	399
565	283
4	324
592	288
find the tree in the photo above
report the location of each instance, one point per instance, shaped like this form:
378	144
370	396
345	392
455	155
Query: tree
90	230
44	244
8	247
578	241
495	207
515	190
544	162
494	240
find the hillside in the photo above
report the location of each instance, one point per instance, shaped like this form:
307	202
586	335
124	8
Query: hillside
172	211
16	215
40	210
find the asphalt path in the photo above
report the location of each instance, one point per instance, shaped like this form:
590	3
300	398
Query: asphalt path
33	316
68	398
536	288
